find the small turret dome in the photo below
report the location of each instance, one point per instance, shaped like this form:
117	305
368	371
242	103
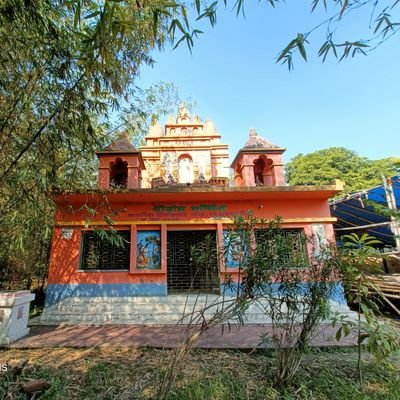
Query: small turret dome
121	144
209	128
156	129
255	141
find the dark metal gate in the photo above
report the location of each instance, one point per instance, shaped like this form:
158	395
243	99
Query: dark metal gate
192	262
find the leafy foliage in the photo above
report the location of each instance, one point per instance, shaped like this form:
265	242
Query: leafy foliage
28	209
322	167
64	68
381	26
292	291
355	260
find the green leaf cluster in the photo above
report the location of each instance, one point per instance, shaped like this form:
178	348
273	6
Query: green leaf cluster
66	68
380	27
355	260
322	167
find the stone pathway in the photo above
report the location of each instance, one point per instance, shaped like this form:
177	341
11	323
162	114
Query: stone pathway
161	336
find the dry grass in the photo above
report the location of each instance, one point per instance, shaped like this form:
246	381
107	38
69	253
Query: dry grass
126	373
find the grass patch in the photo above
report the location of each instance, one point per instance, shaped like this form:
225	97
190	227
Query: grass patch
124	373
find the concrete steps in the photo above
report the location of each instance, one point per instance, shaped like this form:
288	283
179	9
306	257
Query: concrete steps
138	310
156	310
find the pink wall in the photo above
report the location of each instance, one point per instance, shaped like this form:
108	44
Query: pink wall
65	255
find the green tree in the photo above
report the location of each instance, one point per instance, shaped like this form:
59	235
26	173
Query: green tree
322	167
27	219
66	69
356	260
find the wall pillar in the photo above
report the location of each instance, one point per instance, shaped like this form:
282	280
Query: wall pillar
220	249
164	248
279	175
104	178
133	177
267	179
248	175
132	262
214	171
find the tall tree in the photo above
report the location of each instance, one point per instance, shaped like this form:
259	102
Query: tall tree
322	167
65	69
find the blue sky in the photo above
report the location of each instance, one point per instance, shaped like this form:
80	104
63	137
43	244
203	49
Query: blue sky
233	77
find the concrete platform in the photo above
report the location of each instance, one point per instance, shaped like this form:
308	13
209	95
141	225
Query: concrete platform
161	336
155	310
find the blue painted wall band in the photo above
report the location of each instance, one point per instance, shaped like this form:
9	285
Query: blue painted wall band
57	291
336	290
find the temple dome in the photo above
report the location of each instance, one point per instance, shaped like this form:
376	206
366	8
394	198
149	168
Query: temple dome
257	142
209	128
121	144
156	129
171	120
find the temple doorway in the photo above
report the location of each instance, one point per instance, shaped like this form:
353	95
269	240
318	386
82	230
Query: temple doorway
192	262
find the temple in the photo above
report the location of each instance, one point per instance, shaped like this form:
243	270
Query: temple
175	192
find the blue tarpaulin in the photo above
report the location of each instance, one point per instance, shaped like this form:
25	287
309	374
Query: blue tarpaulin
377	194
354	211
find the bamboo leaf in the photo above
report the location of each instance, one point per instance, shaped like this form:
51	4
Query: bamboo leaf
185	17
345	4
300	46
77	16
179	42
339	334
287	49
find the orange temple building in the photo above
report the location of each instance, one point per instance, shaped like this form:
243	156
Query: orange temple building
162	199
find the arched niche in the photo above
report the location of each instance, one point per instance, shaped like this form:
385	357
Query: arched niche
263	171
119	174
185	169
